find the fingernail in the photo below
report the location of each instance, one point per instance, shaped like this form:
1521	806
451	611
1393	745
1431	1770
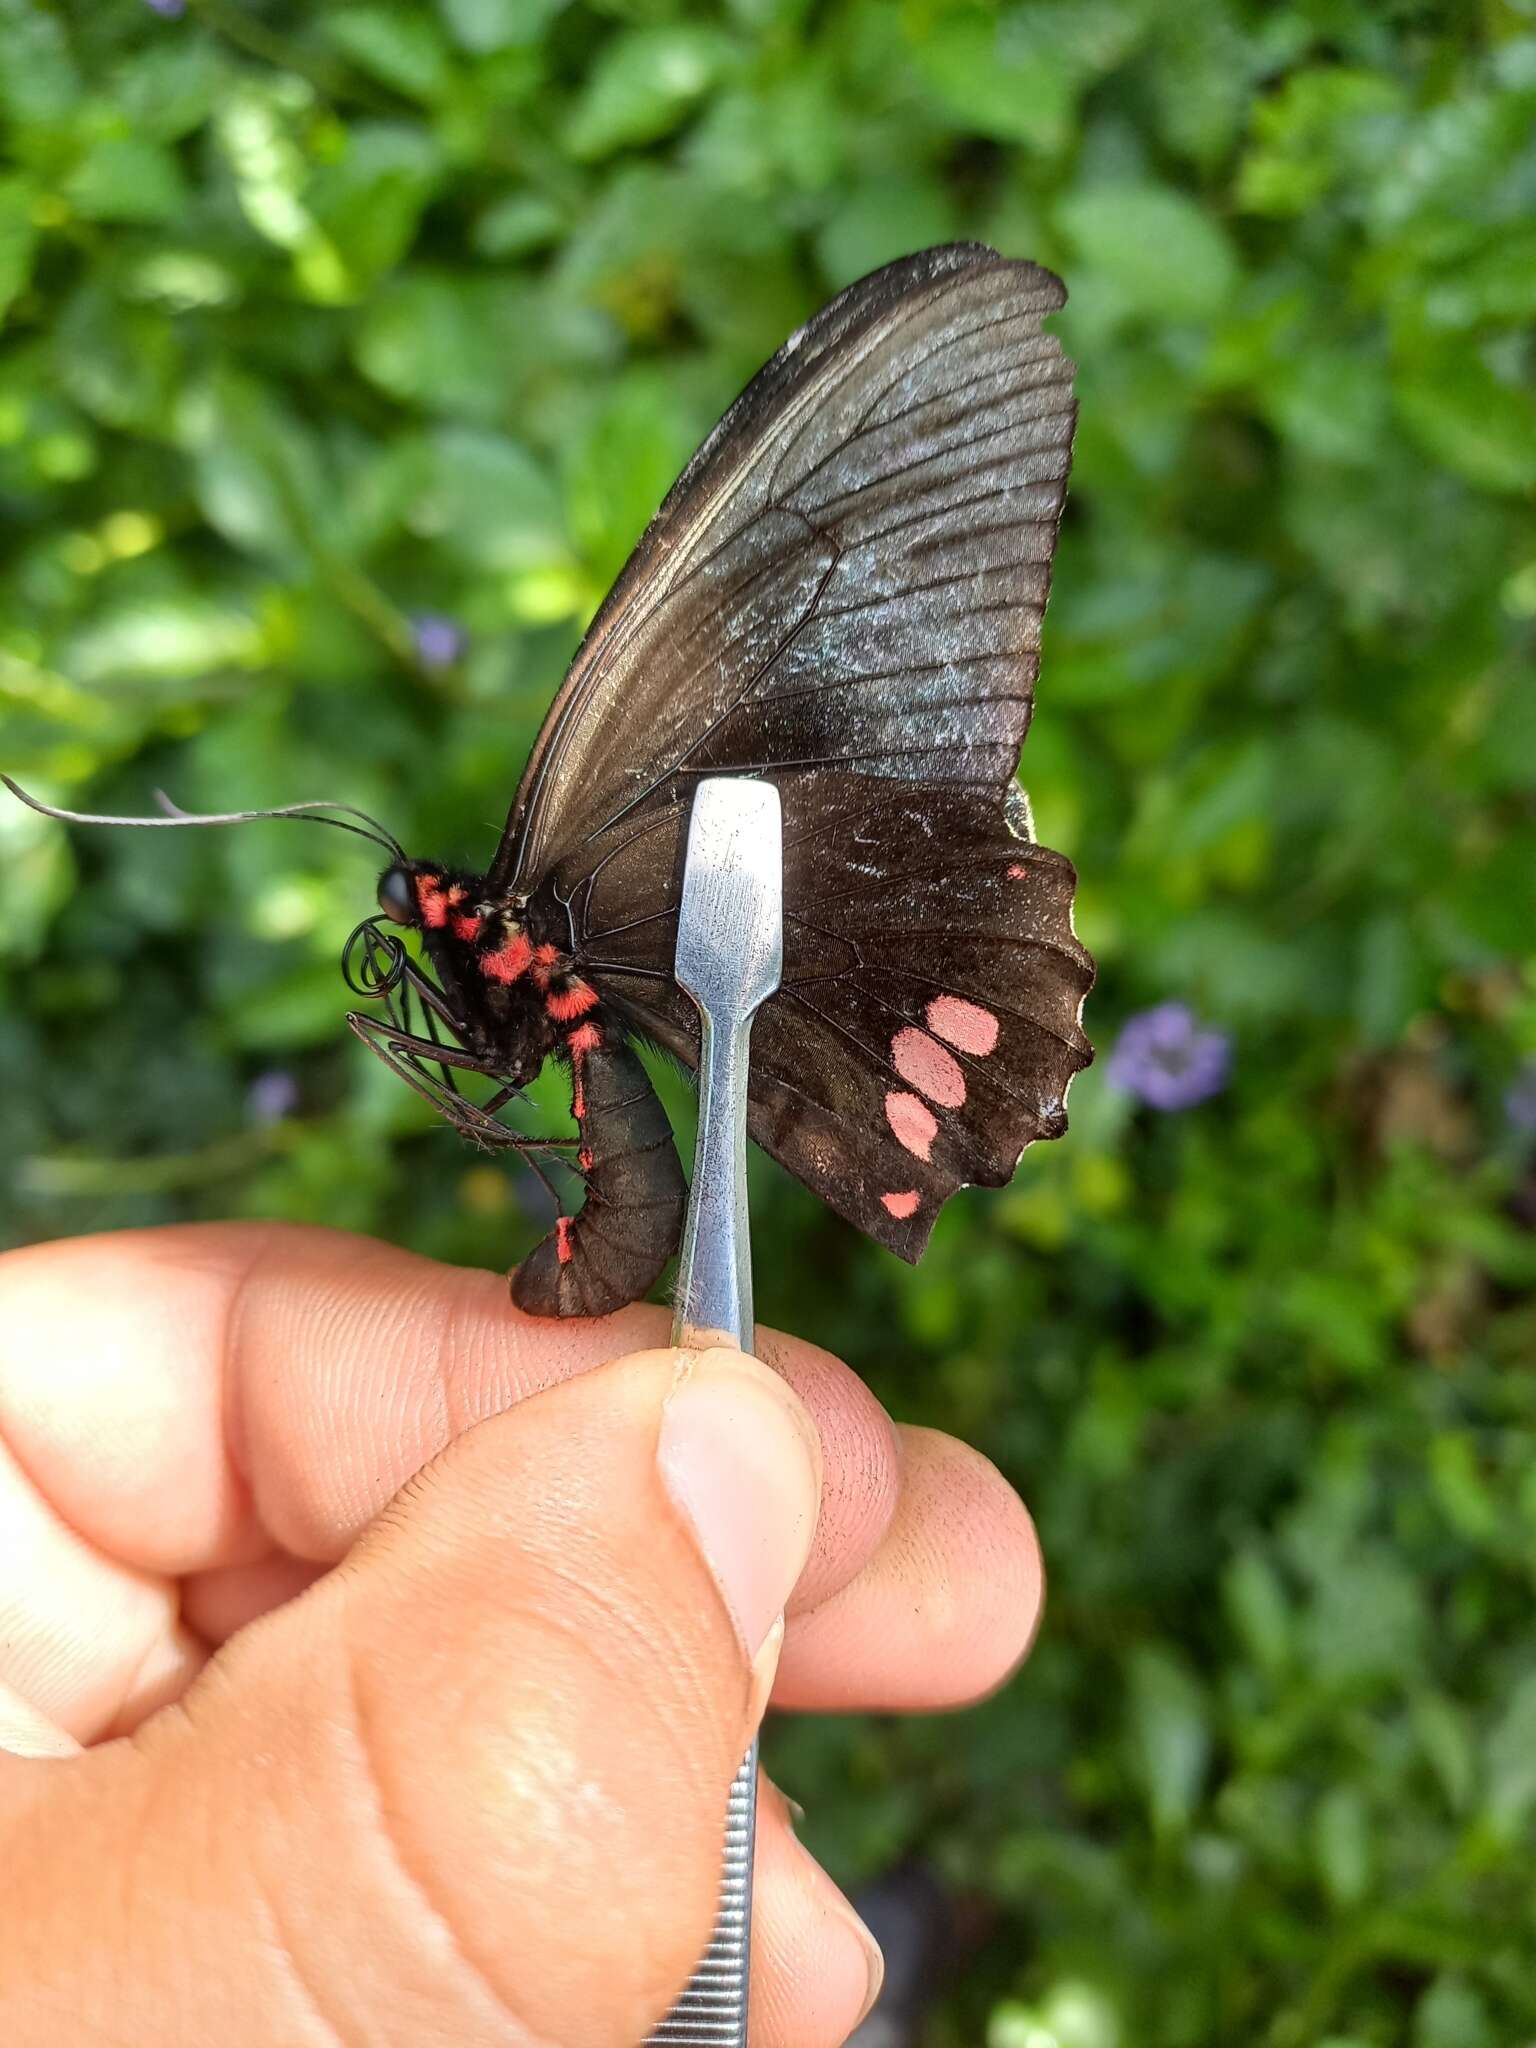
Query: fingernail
741	1459
874	1964
852	1966
765	1669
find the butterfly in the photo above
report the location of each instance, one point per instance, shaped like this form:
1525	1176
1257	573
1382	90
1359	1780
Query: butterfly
842	594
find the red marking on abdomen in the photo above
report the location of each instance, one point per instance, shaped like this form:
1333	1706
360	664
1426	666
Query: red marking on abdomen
543	960
568	1004
467	927
912	1122
903	1205
565	1251
967	1026
931	1070
584	1039
509	961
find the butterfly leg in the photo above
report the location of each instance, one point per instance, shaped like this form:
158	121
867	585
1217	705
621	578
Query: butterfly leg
630	1223
410	1056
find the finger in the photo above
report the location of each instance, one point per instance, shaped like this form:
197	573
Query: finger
24	1732
816	1969
939	1616
85	1639
469	1787
185	1397
208	1399
944	1610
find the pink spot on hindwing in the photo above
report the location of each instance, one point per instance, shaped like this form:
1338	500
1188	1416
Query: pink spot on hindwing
912	1122
1017	871
966	1026
565	1251
930	1069
903	1205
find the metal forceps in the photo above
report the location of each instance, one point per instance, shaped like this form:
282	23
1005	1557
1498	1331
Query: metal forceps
730	956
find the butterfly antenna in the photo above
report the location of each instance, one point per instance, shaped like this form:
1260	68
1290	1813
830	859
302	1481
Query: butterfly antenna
319	812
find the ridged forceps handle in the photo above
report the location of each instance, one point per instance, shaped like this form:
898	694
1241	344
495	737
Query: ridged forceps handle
729	958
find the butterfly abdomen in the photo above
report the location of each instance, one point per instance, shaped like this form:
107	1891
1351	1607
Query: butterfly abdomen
630	1223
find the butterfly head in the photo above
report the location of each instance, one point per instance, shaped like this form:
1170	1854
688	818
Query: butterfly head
397	895
434	900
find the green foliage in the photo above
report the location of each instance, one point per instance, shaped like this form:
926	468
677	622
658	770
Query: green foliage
318	318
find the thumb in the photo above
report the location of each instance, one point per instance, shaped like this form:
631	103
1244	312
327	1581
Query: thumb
471	1786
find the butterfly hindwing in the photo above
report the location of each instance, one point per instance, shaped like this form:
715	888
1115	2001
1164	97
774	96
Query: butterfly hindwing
927	1028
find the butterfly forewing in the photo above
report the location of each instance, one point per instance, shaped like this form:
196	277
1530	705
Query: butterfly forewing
843	593
851	571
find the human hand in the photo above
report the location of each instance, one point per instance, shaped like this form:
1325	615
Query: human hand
430	1652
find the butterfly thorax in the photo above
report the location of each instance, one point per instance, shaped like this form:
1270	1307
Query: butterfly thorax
515	993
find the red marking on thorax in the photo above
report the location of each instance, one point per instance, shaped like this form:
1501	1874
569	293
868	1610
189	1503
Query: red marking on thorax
434	904
565	1251
566	1005
509	961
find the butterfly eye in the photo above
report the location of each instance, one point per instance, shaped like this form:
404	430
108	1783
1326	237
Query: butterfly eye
397	895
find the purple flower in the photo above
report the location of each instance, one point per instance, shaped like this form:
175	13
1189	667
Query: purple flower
440	641
271	1096
171	9
1165	1057
1520	1101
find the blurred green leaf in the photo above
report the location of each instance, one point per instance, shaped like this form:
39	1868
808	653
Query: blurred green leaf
1151	247
1473	421
875	223
258	474
1510	1762
481	26
1453	2014
486	497
368	203
1312	136
126	178
39	83
400	45
18	236
516	224
644	83
1342	1843
1169	1736
1256	1603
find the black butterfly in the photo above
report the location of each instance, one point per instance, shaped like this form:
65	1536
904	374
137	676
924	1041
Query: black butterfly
842	593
